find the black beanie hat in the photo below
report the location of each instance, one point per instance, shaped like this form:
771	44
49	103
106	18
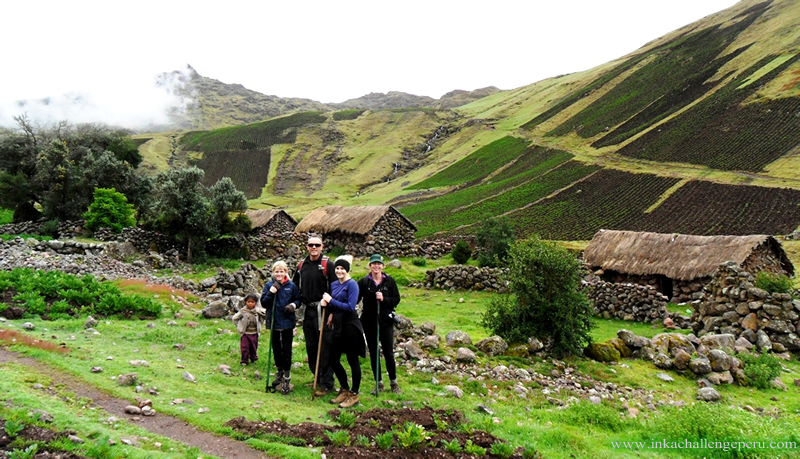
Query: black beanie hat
343	263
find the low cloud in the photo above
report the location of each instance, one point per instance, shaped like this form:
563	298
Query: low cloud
135	104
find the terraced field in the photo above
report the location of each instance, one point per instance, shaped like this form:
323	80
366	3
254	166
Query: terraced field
609	199
707	208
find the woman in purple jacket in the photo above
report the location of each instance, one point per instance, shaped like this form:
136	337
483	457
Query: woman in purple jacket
348	335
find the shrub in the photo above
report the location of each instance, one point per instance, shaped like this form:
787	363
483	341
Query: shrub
346	419
453	446
760	371
384	440
49	228
494	238
545	300
110	209
461	252
338	438
773	283
6	216
411	436
419	261
502	450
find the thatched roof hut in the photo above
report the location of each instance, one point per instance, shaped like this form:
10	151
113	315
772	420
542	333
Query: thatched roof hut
355	220
276	219
679	256
362	230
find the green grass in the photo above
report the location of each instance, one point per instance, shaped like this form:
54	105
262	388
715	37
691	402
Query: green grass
71	412
478	164
6	216
581	430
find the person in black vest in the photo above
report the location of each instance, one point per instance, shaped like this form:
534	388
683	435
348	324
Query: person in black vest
314	277
375	287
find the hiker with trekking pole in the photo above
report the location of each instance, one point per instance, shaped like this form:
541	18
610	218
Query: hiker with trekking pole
348	336
314	276
380	296
280	298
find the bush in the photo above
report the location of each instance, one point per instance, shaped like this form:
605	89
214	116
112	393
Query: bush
494	239
773	283
6	216
419	261
110	209
760	371
461	252
49	228
545	300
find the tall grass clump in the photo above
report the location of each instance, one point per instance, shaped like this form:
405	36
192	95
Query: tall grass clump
773	283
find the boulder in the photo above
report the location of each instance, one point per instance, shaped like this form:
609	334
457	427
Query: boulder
534	345
631	340
620	345
719	360
681	359
414	351
128	379
700	366
216	310
458	338
602	352
664	342
493	345
465	355
725	342
430	342
662	361
708	394
720	377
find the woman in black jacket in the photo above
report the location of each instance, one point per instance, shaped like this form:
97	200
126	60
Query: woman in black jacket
374	288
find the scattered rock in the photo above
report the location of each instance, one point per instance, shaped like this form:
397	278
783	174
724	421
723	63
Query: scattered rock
708	394
189	377
75	439
665	377
465	355
96	369
28	326
128	379
132	409
458	338
455	391
493	345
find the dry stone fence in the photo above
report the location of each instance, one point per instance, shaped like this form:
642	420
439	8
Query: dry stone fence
627	301
464	277
733	305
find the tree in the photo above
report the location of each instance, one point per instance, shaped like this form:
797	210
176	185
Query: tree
461	252
545	299
226	199
58	167
110	209
184	208
494	238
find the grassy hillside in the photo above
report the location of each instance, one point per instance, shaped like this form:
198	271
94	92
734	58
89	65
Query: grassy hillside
697	131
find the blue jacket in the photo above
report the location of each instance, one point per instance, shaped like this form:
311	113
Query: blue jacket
287	293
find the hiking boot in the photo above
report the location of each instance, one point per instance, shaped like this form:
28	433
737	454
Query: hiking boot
351	400
343	394
322	391
278	378
286	385
378	389
396	389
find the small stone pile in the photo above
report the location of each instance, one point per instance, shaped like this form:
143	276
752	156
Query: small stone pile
463	277
634	302
733	305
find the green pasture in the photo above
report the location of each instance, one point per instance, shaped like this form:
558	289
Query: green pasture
576	430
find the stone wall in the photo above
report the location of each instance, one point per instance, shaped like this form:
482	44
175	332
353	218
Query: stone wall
463	277
640	303
65	230
732	304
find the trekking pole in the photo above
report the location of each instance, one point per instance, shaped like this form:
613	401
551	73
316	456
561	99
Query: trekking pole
319	350
271	332
378	351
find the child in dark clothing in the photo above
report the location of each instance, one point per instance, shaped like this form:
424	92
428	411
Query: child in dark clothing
284	295
248	323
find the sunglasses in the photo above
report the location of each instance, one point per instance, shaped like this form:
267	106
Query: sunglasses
314	245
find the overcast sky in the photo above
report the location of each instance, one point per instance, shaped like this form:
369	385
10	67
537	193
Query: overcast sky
109	52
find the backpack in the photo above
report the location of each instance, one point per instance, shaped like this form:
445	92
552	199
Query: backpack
324	264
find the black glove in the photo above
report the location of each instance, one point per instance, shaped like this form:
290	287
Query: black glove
289	309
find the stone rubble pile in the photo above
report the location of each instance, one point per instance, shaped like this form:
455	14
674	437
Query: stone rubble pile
633	302
464	277
733	305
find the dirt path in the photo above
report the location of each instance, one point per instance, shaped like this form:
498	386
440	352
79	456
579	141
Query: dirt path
161	424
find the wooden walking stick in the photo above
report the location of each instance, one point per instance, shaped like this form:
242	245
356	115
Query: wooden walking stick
319	350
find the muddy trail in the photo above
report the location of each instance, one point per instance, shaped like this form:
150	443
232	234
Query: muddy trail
161	424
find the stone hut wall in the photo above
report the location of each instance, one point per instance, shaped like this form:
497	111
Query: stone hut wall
280	223
391	236
627	301
732	304
462	277
763	259
684	291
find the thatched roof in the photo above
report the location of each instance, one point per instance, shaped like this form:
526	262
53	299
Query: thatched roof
349	220
677	256
261	217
